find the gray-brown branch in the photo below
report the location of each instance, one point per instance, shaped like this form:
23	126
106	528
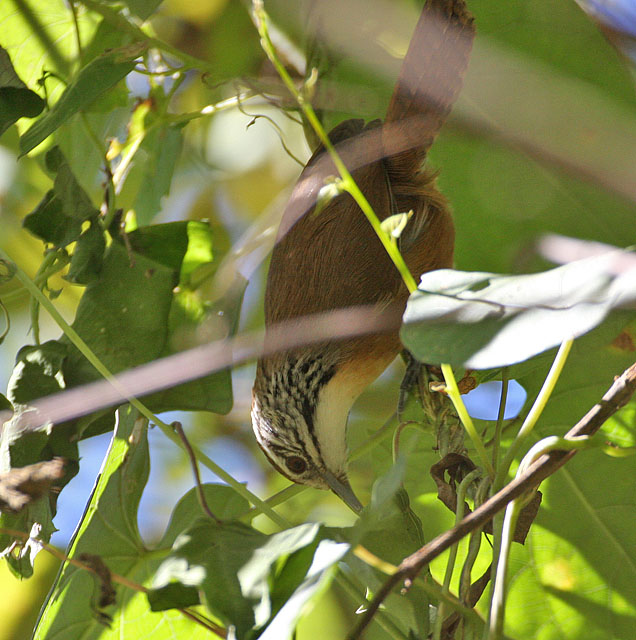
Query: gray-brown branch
616	397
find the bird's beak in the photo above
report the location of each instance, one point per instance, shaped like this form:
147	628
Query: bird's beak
343	490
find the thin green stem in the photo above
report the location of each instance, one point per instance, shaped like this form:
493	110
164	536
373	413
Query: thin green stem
474	545
500	417
348	183
278	498
49	268
497	603
452	553
76	29
87	352
121	23
53	262
453	393
498	600
534	413
210	109
395	449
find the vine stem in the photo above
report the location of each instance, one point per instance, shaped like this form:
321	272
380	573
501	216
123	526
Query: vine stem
614	399
498	600
450	565
88	353
500	416
347	182
535	412
453	393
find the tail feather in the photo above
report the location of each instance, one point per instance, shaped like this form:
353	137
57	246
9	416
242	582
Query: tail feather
430	79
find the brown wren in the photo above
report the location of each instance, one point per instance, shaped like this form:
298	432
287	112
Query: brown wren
330	258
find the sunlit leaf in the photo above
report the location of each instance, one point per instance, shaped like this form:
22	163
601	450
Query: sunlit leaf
92	81
581	584
484	320
243	574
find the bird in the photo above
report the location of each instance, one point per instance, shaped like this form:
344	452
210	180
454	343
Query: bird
328	257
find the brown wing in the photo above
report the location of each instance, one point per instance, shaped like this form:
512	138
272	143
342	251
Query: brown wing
331	258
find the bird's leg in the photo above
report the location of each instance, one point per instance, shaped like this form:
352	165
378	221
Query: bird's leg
421	379
424	380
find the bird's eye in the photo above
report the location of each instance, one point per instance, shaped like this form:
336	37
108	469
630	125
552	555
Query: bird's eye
296	464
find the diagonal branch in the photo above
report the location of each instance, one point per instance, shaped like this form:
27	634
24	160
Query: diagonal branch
616	397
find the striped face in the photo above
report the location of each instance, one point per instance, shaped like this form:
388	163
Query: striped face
288	420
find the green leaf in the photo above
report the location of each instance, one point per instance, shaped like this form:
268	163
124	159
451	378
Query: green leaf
37	372
42	40
58	217
5	404
88	255
142	8
92	81
580	585
113	507
48	222
174	595
169	592
223	501
210	556
37	517
165	243
75	201
484	321
19	448
199	255
122	316
189	316
156	159
16	100
247	578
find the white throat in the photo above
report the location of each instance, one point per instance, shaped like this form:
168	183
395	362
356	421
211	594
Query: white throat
330	422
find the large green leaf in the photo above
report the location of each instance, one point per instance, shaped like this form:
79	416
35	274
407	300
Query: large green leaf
192	253
484	321
43	38
109	530
58	219
248	579
123	315
577	580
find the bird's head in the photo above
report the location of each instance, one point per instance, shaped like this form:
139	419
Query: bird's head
300	407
